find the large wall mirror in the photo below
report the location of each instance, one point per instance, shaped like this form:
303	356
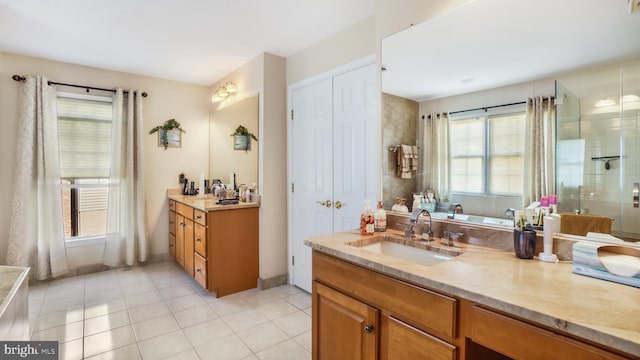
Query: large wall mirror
491	53
224	159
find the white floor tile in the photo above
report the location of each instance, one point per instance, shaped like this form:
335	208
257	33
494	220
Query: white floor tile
244	319
145	298
157	311
106	322
154	327
263	336
304	340
229	348
185	302
207	332
71	350
129	352
103	308
108	340
277	309
196	315
148	312
61	334
102	295
288	350
301	300
137	288
185	355
294	324
176	291
58	318
165	345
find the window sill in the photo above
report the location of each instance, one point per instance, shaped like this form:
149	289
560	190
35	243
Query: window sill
84	241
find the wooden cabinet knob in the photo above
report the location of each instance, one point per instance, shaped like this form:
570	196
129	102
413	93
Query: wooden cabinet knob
368	329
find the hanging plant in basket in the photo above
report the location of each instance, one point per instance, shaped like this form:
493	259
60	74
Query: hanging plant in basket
169	127
242	138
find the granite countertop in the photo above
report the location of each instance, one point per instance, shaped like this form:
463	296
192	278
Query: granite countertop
208	202
10	279
546	293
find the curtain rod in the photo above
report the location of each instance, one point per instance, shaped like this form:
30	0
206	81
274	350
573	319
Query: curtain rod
485	108
22	78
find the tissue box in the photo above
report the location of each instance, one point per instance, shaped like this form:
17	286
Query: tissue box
612	262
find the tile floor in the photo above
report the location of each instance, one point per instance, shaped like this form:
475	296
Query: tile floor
158	312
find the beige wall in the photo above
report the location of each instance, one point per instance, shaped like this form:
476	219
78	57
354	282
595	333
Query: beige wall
188	104
265	74
354	42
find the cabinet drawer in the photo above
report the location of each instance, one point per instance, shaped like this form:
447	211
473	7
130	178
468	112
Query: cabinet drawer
172	222
402	341
520	340
200	239
172	205
200	272
403	301
200	217
184	210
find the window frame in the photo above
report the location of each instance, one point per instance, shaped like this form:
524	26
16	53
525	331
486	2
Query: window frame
73	186
486	114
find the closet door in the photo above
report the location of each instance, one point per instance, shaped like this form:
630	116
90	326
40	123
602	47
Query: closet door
332	159
312	174
354	119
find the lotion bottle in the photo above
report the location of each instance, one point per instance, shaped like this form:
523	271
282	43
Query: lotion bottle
380	218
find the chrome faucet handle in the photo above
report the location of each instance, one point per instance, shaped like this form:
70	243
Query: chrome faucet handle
408	233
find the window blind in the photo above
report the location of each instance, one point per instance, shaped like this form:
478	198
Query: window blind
84	135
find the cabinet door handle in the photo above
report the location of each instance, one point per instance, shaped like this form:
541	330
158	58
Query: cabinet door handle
636	194
198	270
198	239
368	328
199	217
339	204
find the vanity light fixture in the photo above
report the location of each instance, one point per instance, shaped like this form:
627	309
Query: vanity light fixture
229	88
630	98
605	102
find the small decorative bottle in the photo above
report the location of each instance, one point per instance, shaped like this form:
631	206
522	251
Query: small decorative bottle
366	220
380	218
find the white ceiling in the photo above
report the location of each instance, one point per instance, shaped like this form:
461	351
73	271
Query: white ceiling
194	41
503	42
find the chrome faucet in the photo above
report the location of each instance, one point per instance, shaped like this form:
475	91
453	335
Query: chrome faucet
426	235
454	208
510	213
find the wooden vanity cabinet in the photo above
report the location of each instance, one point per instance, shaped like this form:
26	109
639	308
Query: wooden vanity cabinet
218	248
361	314
358	313
172	228
521	340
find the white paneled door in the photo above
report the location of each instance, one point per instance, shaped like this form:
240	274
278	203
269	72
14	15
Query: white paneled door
332	159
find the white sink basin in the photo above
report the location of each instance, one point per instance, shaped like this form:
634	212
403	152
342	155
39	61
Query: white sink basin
395	248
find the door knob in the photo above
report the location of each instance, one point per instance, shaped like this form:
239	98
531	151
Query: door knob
339	204
368	329
325	203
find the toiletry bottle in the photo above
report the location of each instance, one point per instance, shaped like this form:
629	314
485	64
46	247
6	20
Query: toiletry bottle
396	205
380	218
366	220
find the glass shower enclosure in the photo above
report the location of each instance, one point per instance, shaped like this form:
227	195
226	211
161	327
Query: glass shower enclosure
598	145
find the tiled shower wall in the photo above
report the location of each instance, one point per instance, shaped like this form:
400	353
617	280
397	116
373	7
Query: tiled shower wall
399	126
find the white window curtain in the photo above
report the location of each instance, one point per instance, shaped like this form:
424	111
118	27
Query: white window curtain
126	238
36	234
539	162
439	135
